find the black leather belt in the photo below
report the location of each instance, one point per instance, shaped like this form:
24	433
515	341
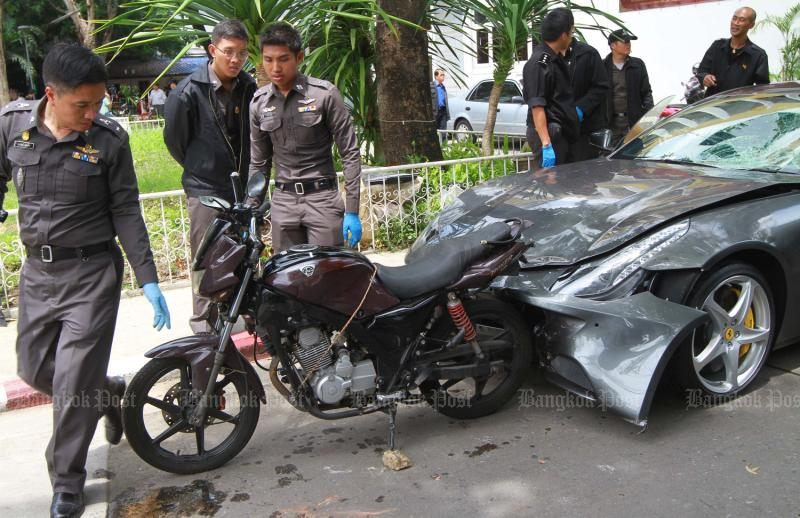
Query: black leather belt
308	186
50	253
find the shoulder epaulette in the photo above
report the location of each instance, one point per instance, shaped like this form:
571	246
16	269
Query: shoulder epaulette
321	83
544	59
111	125
17	106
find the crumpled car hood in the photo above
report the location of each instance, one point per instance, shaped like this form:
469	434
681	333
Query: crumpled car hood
585	209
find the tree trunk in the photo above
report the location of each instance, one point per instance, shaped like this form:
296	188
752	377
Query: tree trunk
112	6
404	93
82	26
487	144
4	96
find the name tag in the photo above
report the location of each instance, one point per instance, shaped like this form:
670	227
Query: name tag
306	109
24	145
83	157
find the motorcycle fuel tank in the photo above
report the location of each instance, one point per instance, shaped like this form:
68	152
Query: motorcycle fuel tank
332	277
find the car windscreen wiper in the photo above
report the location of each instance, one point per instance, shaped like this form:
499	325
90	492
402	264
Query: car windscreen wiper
676	161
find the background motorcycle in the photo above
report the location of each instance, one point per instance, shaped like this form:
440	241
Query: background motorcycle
347	337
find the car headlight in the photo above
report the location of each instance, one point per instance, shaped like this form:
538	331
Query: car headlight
619	274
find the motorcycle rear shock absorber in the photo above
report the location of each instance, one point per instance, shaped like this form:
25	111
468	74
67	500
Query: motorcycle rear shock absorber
461	320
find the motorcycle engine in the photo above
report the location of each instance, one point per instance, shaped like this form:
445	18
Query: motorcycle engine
335	376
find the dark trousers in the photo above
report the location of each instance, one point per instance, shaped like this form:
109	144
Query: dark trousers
441	118
67	313
200	217
314	218
583	150
561	145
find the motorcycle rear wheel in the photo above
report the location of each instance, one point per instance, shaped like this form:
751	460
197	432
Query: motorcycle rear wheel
470	398
152	392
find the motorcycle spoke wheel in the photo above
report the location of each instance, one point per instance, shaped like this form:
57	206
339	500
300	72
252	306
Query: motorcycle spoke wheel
470	397
159	403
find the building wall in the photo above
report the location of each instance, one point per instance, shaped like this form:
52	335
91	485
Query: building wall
671	39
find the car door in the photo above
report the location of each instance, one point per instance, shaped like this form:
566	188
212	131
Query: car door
511	111
478	104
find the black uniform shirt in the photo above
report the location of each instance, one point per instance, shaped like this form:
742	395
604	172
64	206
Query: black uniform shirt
746	66
75	192
546	83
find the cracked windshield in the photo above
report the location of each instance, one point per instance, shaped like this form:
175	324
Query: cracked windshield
755	133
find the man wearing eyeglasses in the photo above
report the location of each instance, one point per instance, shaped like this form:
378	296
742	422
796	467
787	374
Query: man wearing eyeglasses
206	129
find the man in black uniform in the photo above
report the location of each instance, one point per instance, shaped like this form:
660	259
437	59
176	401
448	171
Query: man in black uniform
77	190
590	87
552	118
631	95
737	61
207	131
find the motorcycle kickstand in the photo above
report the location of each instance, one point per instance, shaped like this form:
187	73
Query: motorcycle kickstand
391	411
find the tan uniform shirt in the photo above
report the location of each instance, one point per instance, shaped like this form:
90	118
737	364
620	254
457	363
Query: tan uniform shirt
297	131
75	192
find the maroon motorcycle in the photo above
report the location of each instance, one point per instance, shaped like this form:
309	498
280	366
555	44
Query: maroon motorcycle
346	337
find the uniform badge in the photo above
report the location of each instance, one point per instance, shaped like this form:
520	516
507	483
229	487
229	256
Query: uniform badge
306	101
22	144
299	88
83	157
87	149
269	109
544	59
744	66
26	135
306	109
236	110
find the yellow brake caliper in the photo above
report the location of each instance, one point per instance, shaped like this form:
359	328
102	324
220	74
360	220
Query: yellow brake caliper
750	323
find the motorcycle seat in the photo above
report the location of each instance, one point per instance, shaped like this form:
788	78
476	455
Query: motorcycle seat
440	264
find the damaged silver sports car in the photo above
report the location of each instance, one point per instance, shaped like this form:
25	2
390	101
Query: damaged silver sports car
674	259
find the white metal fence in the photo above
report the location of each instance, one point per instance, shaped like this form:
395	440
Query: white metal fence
506	143
396	204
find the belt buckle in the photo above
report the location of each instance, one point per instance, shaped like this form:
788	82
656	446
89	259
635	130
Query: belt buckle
298	188
46	253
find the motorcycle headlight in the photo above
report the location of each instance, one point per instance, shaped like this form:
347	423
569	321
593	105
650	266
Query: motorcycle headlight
619	274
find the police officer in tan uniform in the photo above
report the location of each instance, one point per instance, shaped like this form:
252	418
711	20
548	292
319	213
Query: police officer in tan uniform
293	123
77	191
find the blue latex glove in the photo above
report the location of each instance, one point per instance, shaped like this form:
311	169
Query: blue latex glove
156	299
352	225
548	156
580	113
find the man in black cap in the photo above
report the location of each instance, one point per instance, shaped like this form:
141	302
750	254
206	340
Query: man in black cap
552	125
735	61
631	95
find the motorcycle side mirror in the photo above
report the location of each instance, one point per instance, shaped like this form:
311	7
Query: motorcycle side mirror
601	140
215	203
256	185
517	99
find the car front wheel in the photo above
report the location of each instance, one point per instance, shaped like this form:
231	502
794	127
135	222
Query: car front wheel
726	355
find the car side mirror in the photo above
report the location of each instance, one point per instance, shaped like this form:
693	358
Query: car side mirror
256	185
517	99
601	140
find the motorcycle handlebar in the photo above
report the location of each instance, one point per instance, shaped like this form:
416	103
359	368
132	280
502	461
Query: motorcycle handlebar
237	187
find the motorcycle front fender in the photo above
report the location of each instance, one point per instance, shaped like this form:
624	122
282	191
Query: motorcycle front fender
198	351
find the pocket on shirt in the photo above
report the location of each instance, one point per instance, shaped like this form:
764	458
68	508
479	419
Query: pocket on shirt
79	181
309	129
270	124
24	170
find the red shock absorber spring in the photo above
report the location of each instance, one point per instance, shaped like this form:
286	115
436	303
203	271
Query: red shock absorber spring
460	317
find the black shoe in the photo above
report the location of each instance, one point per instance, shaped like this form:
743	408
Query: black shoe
67	505
113	412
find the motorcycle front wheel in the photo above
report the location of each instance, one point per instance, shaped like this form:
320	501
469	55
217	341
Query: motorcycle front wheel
155	414
469	398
